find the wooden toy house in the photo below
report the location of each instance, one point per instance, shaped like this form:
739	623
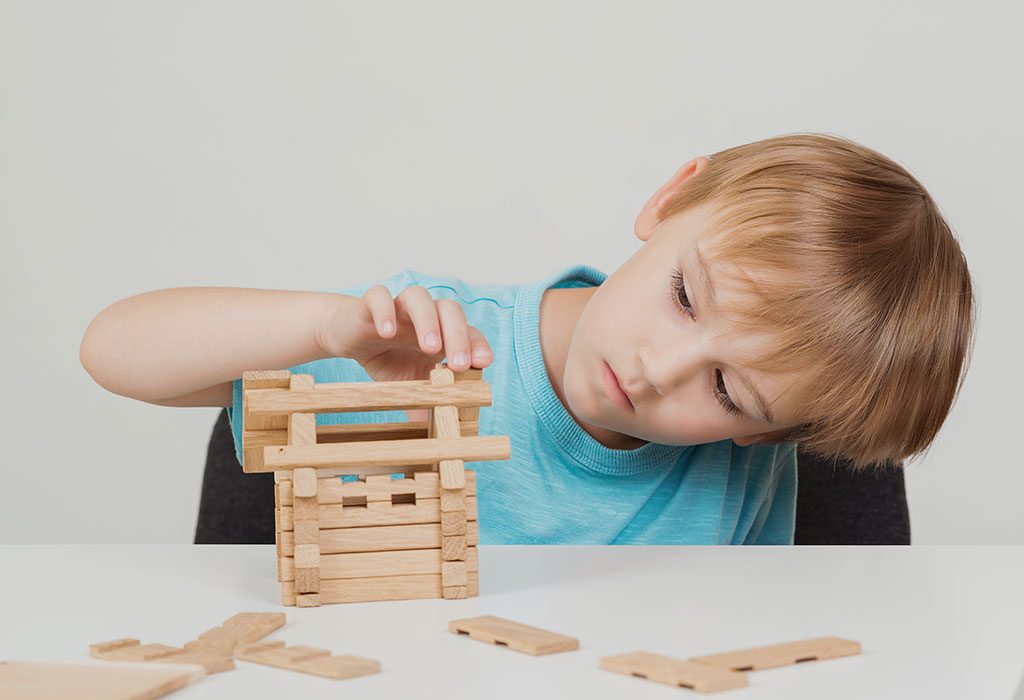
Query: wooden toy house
375	511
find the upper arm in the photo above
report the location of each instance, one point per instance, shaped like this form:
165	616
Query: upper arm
219	395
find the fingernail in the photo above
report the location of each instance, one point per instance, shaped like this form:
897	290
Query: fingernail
433	339
461	358
387	327
480	355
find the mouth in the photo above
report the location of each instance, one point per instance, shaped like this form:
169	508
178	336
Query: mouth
614	390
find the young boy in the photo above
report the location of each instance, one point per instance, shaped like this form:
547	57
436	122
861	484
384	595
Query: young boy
801	289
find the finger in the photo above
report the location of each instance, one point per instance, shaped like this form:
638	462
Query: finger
415	304
382	310
455	333
481	349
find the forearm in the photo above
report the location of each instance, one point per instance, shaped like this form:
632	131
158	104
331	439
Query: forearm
171	342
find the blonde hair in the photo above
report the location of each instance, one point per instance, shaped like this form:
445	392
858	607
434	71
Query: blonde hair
870	301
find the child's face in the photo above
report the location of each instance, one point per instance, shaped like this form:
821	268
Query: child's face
670	364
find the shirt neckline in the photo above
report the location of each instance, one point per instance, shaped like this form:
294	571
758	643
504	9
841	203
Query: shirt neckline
533	373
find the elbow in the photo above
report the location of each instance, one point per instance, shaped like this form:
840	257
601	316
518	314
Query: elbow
98	358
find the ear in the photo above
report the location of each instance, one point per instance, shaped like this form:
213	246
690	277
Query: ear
650	215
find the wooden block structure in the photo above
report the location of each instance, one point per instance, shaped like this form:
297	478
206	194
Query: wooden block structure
404	523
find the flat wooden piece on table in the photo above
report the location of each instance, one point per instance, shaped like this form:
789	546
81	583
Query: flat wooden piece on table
46	681
775	655
211	660
514	635
242	628
677	672
307	660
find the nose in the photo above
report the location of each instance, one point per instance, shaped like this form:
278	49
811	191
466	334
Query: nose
665	368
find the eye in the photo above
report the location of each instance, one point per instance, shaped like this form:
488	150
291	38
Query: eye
679	294
682	302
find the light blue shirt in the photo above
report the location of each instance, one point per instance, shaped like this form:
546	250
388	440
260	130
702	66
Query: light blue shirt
561	486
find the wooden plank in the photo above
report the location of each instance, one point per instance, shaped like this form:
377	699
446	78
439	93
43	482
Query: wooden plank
362	590
675	672
329	472
356	432
514	635
366	396
380	538
25	680
243	628
332	489
775	655
385	453
403	562
307	660
338	516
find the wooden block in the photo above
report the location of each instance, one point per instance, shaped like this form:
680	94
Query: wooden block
306	532
304	481
307	600
774	655
385	453
361	590
453	573
390	563
367	396
130	650
454	548
330	490
308	660
23	680
381	538
453	500
243	628
675	672
305	508
514	635
454	523
307	580
453	473
307	556
259	380
455	592
336	516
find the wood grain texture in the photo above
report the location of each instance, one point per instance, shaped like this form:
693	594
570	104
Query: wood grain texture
361	590
23	680
514	635
785	654
675	672
305	659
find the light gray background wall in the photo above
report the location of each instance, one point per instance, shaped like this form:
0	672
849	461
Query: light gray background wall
313	145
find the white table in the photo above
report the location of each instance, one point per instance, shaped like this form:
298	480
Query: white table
935	622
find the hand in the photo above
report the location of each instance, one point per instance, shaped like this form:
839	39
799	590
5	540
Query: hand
422	332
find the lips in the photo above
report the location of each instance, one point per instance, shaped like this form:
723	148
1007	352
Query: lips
614	389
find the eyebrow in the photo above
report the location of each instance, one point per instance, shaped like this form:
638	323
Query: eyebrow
708	294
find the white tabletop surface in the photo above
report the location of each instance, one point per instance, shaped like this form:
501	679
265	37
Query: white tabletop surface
934	622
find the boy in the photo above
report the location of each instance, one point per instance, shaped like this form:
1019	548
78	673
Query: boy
801	289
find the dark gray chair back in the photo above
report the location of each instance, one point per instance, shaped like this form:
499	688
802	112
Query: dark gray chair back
834	504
